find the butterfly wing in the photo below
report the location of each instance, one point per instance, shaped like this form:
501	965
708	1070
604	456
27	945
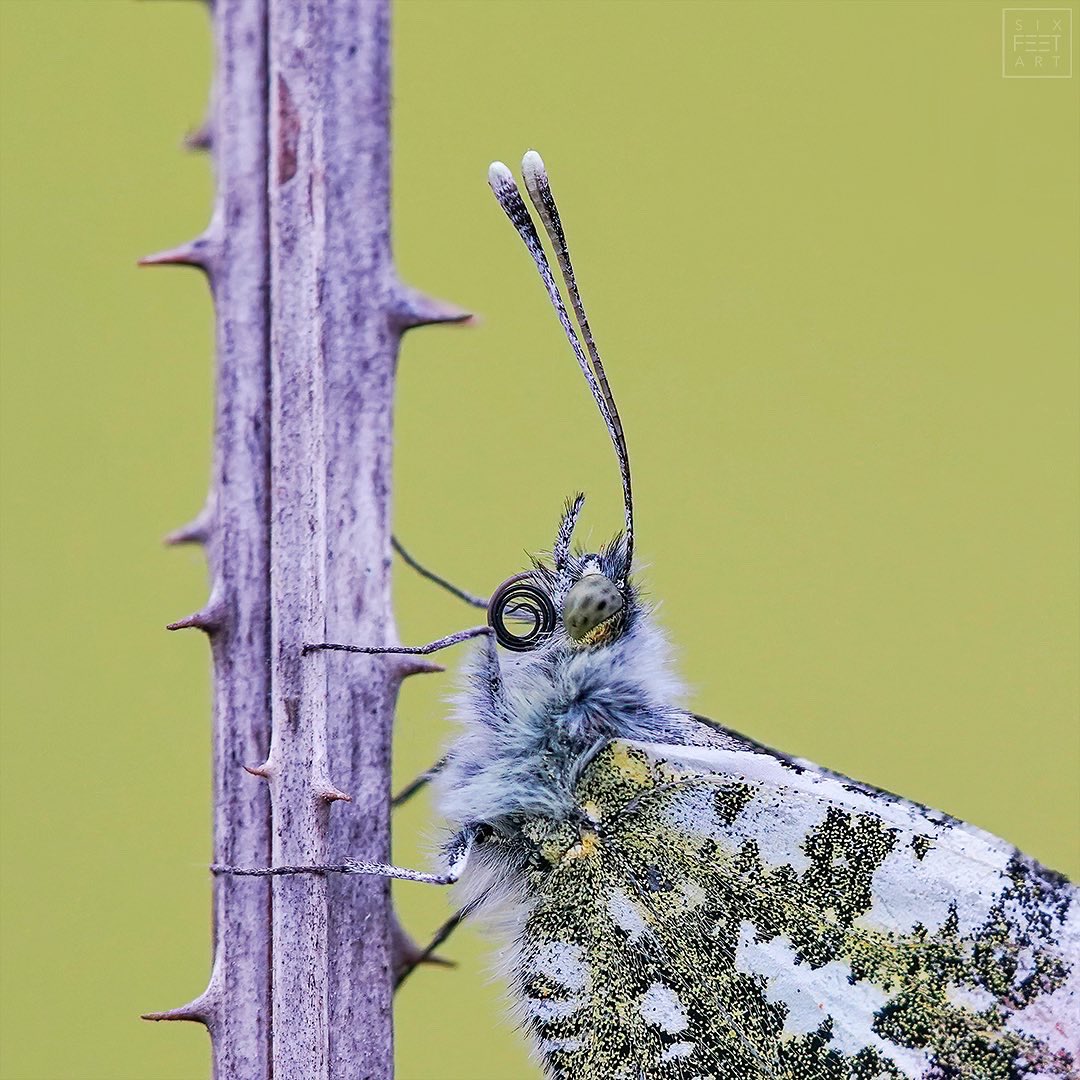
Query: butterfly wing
725	912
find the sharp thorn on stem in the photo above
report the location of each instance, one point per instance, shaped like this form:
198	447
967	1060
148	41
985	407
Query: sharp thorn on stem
196	531
199	140
412	308
199	253
198	1011
413	665
208	619
329	793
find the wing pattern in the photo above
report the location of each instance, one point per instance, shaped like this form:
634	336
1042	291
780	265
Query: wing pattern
724	913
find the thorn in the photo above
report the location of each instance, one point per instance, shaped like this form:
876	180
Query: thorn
199	140
407	955
196	531
198	620
205	620
410	308
199	253
200	1011
328	793
208	619
407	665
406	952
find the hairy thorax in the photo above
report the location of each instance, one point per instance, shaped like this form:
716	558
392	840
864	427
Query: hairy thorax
531	724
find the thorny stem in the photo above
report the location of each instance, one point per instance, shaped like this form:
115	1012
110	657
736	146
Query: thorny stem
309	316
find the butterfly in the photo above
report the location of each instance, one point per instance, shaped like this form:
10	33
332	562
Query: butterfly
676	901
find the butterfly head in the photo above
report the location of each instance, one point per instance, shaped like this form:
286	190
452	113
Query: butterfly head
581	600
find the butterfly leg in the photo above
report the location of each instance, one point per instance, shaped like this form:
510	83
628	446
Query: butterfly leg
488	673
427	954
407	792
415	650
424	572
425	777
456	853
422	650
449	586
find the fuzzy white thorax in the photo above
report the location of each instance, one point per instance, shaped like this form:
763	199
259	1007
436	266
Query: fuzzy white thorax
560	705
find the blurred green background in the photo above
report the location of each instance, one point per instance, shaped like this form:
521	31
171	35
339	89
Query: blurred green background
831	257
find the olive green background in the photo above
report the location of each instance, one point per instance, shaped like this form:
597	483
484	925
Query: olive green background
830	255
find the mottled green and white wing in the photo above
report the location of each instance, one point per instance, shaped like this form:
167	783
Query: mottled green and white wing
723	912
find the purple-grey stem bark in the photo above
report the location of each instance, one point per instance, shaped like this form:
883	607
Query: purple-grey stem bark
309	316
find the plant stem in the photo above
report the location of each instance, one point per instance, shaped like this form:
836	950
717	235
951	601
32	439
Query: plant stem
333	358
309	317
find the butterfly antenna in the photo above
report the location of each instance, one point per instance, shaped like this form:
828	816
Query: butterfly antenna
539	188
506	191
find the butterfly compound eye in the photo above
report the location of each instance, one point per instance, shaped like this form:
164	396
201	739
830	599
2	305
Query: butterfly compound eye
521	614
590	602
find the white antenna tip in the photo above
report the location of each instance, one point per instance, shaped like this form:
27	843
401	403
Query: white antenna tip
532	167
499	176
